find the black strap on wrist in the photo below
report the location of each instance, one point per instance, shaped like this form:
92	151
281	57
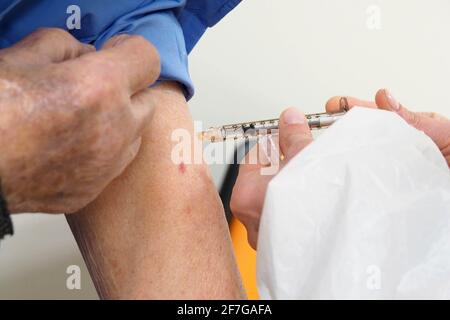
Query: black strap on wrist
6	227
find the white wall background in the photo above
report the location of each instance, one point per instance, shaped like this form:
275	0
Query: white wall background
265	56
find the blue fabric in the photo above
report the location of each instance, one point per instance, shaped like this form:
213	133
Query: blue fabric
173	26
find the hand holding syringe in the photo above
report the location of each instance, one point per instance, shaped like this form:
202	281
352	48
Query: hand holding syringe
265	159
257	129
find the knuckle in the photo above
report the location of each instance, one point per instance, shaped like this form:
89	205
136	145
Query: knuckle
45	37
41	32
434	115
413	119
52	33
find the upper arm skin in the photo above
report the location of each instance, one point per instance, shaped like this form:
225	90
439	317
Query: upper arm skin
159	231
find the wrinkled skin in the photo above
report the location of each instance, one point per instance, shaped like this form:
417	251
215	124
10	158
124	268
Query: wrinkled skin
71	118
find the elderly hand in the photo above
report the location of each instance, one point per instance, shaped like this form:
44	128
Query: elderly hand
437	127
249	191
70	118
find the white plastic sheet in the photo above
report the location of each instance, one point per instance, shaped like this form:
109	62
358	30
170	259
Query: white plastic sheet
362	213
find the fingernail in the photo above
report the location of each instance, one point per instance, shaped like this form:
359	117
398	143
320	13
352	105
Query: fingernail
293	116
393	103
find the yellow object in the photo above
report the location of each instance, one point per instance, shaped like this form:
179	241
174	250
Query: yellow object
246	258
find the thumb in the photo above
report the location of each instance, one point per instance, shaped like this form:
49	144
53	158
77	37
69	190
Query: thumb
143	106
432	125
294	132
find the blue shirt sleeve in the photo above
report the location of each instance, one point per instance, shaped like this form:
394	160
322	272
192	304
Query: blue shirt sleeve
198	15
157	22
173	26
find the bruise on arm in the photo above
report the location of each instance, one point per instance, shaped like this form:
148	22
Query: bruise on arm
159	230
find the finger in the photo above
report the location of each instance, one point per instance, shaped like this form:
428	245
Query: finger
295	133
132	58
127	157
252	238
433	126
46	46
142	108
340	104
255	158
433	115
386	101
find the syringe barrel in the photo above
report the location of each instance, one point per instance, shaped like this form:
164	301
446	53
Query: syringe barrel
265	127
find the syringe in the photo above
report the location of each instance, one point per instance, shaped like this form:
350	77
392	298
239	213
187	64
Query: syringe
256	129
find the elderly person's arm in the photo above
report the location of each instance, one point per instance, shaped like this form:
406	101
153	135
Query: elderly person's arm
159	231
